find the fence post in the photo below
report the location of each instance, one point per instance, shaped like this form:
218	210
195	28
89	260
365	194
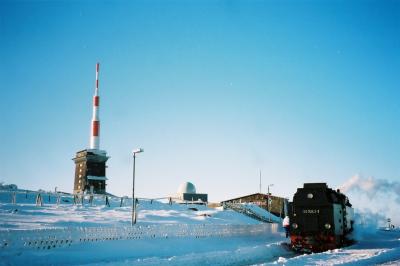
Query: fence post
91	199
107	202
39	201
58	200
14	198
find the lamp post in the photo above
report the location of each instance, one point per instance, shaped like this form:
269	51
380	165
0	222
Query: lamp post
133	221
269	202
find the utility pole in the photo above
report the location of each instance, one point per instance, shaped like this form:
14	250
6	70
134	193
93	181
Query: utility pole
269	202
133	220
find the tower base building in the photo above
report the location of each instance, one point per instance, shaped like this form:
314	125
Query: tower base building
90	171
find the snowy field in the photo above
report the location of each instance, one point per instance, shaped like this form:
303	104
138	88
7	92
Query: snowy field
177	234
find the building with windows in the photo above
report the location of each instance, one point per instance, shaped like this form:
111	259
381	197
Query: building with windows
273	204
90	171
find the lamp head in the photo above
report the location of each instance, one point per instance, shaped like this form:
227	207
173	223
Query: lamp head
137	151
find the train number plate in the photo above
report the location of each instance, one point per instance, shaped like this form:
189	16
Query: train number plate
311	211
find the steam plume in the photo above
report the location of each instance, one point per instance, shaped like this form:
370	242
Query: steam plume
372	186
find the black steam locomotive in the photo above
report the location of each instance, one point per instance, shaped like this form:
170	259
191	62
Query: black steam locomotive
320	219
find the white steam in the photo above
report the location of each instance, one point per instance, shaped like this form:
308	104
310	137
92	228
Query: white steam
366	224
372	186
374	199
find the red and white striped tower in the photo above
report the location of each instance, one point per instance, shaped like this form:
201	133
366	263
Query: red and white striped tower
95	136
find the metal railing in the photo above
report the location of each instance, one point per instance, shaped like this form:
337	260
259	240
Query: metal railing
247	211
43	198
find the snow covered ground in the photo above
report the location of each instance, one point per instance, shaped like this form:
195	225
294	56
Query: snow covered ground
29	216
177	234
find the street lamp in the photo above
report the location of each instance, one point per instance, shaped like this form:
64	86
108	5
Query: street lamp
269	202
133	221
270	185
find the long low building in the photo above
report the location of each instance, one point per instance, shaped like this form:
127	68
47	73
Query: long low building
276	207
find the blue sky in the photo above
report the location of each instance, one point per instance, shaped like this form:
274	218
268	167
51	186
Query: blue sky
306	91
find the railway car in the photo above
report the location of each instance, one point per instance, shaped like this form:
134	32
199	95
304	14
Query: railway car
320	219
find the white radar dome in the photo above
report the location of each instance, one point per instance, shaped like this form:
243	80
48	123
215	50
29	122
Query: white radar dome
187	187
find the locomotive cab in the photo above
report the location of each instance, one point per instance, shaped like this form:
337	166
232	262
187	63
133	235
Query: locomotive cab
321	218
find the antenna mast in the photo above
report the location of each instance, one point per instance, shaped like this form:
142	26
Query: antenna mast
95	136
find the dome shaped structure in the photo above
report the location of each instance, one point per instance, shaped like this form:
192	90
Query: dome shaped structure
187	187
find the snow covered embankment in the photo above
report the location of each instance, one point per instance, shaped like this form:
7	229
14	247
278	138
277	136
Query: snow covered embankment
45	239
142	245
